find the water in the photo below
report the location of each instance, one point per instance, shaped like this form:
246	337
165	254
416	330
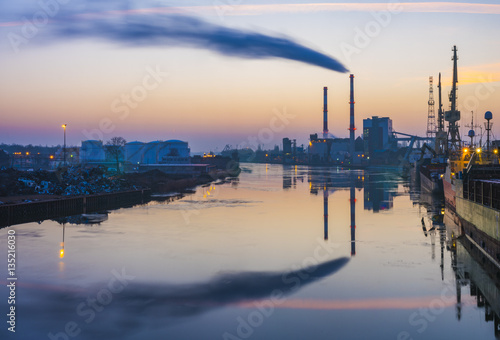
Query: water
255	259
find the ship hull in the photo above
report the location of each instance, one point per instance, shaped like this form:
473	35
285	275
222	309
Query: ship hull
429	185
481	225
449	194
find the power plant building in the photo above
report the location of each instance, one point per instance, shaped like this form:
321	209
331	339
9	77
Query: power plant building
377	134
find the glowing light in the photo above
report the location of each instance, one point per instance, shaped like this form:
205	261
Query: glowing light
51	157
61	253
466	150
478	150
27	153
495	151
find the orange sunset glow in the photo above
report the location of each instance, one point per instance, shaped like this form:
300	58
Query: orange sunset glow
212	100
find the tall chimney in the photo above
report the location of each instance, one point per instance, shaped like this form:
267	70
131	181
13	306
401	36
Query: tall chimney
351	126
325	112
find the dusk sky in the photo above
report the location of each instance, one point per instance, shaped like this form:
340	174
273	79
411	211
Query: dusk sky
69	72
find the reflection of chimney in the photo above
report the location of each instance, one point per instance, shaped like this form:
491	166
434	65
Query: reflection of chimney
325	210
351	125
325	112
353	218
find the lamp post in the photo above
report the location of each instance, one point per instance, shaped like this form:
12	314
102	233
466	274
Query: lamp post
488	116
64	147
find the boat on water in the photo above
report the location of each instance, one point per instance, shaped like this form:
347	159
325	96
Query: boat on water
472	190
471	181
477	203
431	173
452	176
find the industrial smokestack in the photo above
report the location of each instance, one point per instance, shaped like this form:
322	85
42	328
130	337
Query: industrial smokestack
325	112
351	125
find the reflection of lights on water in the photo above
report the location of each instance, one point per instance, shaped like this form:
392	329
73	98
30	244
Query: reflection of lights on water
61	252
209	191
61	266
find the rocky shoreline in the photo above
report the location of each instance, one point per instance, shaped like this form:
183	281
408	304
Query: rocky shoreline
25	186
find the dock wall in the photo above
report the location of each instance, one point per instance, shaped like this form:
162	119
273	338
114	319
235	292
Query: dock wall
11	214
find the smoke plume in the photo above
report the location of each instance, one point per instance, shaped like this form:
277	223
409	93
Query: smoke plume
116	22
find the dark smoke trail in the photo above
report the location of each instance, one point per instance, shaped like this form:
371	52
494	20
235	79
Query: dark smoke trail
119	21
175	30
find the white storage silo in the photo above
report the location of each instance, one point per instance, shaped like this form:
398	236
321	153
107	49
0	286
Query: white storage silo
134	152
151	152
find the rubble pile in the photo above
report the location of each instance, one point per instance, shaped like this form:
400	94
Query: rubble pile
66	181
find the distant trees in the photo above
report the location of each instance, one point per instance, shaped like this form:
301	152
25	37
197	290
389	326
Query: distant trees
4	159
114	149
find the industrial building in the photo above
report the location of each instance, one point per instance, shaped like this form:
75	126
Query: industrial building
157	152
328	150
319	148
377	135
93	152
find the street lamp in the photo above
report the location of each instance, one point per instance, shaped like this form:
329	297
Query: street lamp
64	147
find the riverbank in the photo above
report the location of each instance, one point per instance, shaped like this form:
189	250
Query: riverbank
36	196
33	211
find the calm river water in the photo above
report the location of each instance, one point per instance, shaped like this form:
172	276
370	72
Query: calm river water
283	252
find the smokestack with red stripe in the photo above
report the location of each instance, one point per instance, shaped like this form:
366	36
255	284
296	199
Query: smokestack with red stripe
325	112
351	126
